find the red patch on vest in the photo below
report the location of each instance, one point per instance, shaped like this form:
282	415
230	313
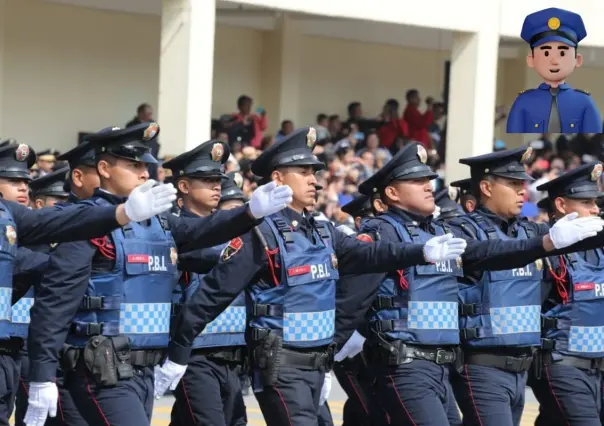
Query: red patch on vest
366	238
138	258
230	250
584	286
298	270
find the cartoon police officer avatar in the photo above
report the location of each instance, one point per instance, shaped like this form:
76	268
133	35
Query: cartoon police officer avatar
553	36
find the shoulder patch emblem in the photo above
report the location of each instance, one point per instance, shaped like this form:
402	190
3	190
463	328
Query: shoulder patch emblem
230	250
11	235
583	91
366	238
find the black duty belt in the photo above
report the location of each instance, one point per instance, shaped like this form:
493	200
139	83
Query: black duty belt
148	358
306	360
512	364
235	354
572	361
11	346
397	352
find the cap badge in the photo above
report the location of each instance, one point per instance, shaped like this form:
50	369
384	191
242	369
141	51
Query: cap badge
311	137
596	172
22	152
453	192
238	180
217	152
527	154
422	154
150	131
553	23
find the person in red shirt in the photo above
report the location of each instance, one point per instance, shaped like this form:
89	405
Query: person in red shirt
394	127
418	123
245	126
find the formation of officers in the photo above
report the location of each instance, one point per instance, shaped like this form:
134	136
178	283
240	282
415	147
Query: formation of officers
116	289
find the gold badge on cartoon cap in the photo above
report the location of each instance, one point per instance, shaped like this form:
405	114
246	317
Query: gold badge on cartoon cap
173	255
334	261
217	152
553	23
539	264
150	131
422	154
596	172
311	137
238	179
453	192
22	152
11	235
527	154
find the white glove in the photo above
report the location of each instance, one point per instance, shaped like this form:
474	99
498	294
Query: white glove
436	212
351	348
166	376
42	403
326	389
268	199
445	247
570	230
146	200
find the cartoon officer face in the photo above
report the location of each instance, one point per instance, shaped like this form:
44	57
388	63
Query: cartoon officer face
554	61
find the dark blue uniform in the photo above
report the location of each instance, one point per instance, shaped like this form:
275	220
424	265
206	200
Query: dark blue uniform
67	282
32	227
209	392
572	110
566	378
412	365
290	350
499	312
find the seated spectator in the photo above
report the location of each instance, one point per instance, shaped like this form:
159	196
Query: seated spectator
244	126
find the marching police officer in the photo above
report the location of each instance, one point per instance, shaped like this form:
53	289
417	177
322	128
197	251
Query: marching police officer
568	367
209	393
32	227
14	181
465	198
110	297
289	270
445	199
232	192
499	313
553	36
414	318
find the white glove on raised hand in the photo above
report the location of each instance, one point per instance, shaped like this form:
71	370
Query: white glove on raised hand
42	403
146	200
445	247
166	376
326	389
570	230
351	348
268	199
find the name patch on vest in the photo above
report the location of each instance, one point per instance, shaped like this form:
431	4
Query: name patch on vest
155	263
525	271
598	289
298	270
319	270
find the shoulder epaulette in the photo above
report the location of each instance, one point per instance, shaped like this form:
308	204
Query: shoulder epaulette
583	91
525	91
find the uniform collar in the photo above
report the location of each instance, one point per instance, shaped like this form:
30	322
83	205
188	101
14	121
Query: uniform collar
409	217
563	86
296	220
112	198
501	223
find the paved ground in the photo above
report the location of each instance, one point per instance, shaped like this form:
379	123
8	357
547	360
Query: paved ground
161	413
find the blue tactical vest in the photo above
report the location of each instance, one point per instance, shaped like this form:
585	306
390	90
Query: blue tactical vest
418	305
8	251
302	306
577	327
134	299
504	308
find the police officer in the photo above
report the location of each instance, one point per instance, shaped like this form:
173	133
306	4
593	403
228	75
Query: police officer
14	181
413	320
32	227
118	326
445	200
499	312
232	195
567	374
465	198
209	392
352	371
288	271
553	36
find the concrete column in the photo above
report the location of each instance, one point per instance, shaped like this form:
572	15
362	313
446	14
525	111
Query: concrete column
3	18
281	56
473	87
186	74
